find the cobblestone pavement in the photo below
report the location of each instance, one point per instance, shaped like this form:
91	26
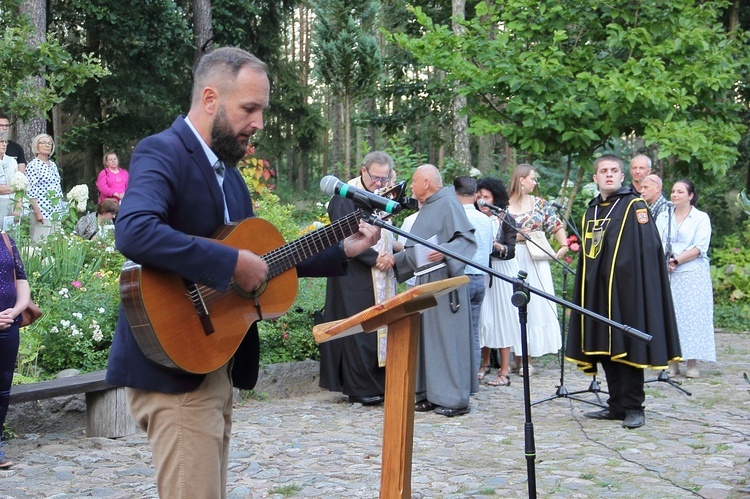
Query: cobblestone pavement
319	445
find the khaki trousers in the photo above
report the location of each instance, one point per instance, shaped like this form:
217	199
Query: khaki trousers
189	436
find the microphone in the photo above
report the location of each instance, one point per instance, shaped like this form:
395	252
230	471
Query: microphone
482	202
557	205
364	199
670	204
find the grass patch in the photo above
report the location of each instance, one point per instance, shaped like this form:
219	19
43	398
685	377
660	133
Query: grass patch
286	490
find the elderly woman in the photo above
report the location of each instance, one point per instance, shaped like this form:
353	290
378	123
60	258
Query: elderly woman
112	180
688	233
45	188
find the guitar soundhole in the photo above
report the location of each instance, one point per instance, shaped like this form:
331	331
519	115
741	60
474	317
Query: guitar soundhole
250	295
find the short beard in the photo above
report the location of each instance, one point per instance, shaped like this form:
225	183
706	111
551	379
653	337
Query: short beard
224	141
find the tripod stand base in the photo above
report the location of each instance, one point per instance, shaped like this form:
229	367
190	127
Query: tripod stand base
664	377
563	392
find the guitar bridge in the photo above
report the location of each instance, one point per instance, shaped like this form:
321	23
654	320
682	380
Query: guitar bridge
200	308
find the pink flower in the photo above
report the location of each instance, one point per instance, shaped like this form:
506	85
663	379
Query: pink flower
568	260
76	284
736	250
575	247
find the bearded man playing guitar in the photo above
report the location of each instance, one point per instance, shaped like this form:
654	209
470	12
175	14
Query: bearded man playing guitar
184	188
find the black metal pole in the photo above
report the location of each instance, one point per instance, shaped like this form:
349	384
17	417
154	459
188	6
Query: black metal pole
521	299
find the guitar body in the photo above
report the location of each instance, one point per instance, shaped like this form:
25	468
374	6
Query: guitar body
167	324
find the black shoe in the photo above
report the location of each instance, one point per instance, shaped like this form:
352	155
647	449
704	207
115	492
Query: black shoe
447	411
603	414
634	419
373	400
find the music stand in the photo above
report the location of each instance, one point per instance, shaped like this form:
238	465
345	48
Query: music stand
401	315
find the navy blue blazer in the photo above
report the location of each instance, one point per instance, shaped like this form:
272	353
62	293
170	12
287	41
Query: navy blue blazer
172	196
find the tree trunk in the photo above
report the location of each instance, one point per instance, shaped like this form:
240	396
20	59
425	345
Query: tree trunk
348	138
201	28
485	154
461	150
335	157
37	11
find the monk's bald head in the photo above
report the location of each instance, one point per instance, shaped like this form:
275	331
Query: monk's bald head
425	182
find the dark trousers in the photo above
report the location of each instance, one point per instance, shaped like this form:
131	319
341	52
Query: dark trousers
9	340
625	387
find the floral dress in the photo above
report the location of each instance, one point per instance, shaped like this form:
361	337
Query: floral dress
542	325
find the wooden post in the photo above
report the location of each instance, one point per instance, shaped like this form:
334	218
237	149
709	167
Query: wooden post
401	314
398	426
107	414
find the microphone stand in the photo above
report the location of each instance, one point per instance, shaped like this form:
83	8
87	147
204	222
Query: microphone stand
561	391
663	375
521	296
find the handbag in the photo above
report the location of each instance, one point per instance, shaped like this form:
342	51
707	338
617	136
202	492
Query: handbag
32	312
542	250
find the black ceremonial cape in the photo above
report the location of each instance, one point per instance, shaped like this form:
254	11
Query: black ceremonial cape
622	275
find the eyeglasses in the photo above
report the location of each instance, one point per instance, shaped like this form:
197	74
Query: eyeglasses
4	125
382	180
44	143
3	141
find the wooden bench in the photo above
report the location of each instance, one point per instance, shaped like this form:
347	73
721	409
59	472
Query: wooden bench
107	413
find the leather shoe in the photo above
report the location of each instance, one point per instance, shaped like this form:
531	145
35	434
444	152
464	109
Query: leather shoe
634	419
603	414
366	400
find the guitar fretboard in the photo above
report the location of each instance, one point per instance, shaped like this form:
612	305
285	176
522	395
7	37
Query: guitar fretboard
282	259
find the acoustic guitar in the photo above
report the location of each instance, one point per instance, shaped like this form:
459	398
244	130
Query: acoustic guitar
197	328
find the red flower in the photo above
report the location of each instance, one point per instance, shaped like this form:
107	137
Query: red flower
250	149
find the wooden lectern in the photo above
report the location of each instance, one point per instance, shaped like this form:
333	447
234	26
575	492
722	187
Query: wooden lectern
401	315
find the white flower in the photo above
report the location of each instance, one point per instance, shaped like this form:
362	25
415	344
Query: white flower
77	315
65	324
475	173
74	331
63	292
54	329
19	182
80	195
96	334
101	310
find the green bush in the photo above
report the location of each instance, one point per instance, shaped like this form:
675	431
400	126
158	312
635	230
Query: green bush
289	338
75	283
730	273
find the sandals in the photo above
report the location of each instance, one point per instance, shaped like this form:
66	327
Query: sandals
531	371
424	406
501	380
483	371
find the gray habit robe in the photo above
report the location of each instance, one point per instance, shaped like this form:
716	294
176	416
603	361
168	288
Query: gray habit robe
446	370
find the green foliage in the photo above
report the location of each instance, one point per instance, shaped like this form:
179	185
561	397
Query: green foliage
730	273
289	338
568	78
75	283
20	59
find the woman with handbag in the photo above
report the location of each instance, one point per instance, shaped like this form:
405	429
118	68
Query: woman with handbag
14	299
536	219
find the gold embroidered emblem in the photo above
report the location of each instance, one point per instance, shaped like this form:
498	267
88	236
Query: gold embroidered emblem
642	215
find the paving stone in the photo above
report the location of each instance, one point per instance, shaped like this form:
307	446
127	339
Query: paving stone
316	444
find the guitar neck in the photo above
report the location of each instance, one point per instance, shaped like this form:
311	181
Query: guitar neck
285	257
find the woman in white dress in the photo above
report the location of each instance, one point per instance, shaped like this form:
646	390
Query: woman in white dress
45	188
688	233
532	214
498	324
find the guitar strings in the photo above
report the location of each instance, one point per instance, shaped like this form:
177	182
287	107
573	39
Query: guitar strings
285	257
